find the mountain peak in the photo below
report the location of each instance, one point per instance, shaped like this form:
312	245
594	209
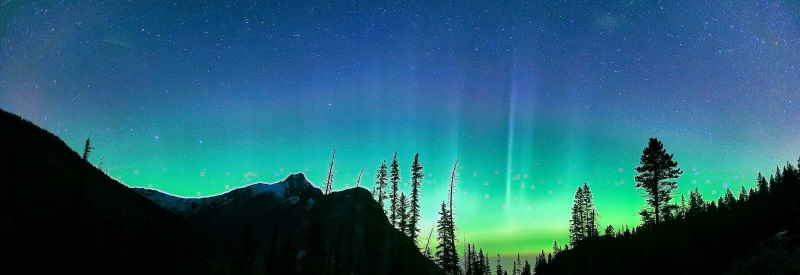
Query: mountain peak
296	186
297	177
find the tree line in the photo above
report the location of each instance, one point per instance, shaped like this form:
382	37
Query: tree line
678	235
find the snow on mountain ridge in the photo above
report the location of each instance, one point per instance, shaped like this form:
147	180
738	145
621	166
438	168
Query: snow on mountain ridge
286	189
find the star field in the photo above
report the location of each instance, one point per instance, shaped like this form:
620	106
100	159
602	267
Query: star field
535	98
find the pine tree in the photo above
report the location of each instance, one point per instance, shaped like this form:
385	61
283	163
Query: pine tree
380	185
88	148
583	223
499	267
518	269
590	212
577	222
696	202
772	183
728	198
477	265
394	214
514	269
446	255
329	178
763	188
526	270
540	263
481	266
683	208
610	231
743	195
469	259
416	181
451	221
487	267
556	248
656	175
403	223
712	208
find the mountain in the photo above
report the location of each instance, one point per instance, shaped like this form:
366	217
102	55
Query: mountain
342	232
290	190
57	211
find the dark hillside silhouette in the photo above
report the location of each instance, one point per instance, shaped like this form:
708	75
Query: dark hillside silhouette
59	211
298	229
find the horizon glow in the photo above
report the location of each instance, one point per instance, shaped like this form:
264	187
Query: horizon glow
534	98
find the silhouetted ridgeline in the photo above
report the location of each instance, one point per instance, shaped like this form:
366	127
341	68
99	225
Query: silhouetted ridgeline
291	225
58	211
756	232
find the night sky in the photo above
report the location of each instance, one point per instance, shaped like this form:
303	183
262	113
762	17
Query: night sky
535	98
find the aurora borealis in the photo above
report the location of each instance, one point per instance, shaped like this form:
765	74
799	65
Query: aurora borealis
535	98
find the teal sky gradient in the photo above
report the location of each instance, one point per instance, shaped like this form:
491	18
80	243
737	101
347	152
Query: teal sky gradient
534	98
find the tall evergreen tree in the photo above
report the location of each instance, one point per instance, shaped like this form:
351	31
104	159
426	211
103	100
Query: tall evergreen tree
451	221
540	263
329	178
487	266
403	213
380	185
682	208
394	212
477	263
728	198
556	248
656	176
499	267
469	260
88	148
763	188
526	270
696	202
577	230
591	224
583	223
416	181
446	255
518	270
